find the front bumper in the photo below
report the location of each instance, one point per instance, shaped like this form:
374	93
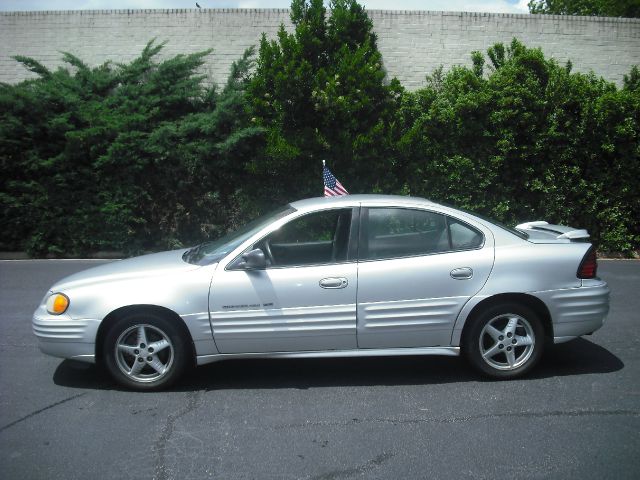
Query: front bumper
62	336
577	311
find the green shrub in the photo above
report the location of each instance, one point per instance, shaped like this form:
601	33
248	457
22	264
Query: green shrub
321	93
530	140
128	157
146	156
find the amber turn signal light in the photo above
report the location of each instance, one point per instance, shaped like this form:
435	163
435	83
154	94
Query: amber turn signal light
57	304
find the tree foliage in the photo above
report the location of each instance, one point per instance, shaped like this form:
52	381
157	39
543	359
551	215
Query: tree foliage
131	156
601	8
147	156
321	92
530	140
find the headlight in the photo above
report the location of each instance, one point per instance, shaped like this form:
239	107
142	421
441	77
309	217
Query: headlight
57	304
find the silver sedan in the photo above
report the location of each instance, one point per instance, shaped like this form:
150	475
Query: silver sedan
350	276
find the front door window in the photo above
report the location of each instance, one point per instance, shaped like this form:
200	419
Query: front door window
315	239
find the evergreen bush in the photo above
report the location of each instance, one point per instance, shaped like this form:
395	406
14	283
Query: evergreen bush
146	156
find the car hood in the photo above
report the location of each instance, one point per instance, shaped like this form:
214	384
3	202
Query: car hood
156	264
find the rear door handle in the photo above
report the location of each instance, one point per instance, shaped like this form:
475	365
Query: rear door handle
464	273
334	282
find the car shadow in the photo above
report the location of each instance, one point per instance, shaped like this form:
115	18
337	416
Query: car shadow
579	357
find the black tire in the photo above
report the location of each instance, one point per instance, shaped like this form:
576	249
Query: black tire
154	361
493	352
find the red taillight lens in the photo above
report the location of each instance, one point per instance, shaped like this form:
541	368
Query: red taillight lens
589	265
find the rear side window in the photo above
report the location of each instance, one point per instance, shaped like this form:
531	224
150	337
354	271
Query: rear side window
403	232
463	237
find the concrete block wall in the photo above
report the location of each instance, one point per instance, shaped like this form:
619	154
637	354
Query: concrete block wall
120	35
413	43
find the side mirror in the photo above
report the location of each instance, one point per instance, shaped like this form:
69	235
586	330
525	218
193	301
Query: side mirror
253	260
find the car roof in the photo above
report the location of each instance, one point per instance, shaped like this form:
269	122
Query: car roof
357	199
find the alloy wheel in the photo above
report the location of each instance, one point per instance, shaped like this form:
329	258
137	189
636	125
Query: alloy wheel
507	341
144	353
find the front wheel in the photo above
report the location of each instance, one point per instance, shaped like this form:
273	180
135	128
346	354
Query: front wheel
505	341
145	352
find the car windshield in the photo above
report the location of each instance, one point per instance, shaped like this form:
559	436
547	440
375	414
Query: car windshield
214	250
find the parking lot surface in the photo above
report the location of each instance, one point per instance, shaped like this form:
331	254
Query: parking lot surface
576	416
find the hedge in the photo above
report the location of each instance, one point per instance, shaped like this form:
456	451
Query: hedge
147	155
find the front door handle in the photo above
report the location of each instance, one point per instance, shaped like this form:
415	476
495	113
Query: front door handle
334	282
464	273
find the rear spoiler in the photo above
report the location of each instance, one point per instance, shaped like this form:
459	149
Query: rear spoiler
559	231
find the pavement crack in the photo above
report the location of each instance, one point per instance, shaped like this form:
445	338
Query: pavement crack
36	412
364	468
161	471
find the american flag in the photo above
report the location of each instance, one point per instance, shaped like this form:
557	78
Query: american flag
332	187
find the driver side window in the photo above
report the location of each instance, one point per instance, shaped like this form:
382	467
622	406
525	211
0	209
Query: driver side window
316	238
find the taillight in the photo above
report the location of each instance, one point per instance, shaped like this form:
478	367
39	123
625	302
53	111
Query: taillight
589	265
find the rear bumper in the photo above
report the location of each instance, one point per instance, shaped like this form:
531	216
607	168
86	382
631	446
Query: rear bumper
577	311
61	336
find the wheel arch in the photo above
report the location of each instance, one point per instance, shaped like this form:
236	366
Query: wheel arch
121	312
525	299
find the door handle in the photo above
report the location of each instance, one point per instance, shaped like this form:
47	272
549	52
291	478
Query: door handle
334	282
464	273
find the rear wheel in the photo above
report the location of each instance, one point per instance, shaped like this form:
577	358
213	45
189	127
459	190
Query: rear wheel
145	351
505	341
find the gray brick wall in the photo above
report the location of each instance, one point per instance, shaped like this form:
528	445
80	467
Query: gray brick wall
413	43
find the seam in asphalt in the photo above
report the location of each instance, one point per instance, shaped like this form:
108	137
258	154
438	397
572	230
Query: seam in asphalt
32	414
405	421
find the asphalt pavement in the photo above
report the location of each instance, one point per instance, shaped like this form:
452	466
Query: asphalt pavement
576	416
